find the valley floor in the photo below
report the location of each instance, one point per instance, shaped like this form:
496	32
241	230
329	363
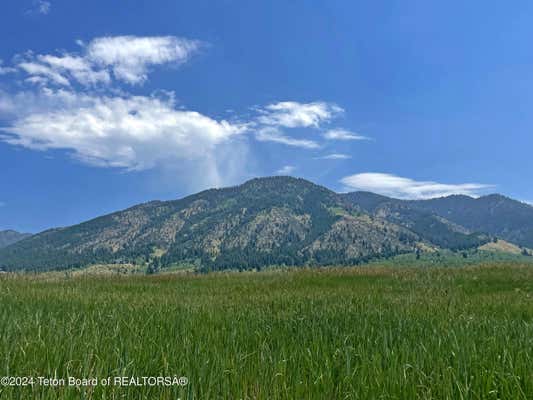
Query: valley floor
346	333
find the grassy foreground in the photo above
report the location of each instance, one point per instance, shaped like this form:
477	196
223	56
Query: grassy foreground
373	332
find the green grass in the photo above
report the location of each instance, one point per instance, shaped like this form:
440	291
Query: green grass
353	333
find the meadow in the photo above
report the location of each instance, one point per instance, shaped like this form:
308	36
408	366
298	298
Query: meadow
375	332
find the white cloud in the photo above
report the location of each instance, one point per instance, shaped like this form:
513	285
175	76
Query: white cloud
43	73
130	57
405	188
74	103
335	156
291	114
133	132
342	134
286	170
78	68
24	103
274	135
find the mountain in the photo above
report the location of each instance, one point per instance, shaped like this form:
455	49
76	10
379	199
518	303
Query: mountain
266	221
9	237
495	215
274	221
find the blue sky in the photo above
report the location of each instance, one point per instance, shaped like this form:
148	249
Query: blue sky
103	105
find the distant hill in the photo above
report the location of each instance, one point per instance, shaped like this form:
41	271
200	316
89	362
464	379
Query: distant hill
434	228
8	237
494	214
274	221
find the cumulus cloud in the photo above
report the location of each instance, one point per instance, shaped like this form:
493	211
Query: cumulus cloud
291	114
127	58
286	170
342	134
133	132
274	135
26	102
405	188
335	156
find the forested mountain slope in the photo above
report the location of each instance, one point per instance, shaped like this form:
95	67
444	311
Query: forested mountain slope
494	214
274	221
266	221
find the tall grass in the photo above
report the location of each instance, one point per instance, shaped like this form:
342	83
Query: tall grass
354	333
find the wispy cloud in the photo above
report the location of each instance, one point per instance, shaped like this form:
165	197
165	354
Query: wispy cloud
286	170
276	136
43	7
40	7
39	73
69	67
335	156
126	58
405	188
291	114
343	134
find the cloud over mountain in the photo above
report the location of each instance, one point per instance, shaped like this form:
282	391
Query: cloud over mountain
405	188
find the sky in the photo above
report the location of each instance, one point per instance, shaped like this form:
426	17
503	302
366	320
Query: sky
104	105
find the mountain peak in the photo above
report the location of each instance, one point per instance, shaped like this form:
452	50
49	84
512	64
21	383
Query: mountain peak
456	196
279	180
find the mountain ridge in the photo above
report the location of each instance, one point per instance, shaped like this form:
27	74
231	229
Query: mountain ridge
493	214
264	221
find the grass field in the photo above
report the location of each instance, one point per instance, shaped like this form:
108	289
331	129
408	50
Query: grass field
369	333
